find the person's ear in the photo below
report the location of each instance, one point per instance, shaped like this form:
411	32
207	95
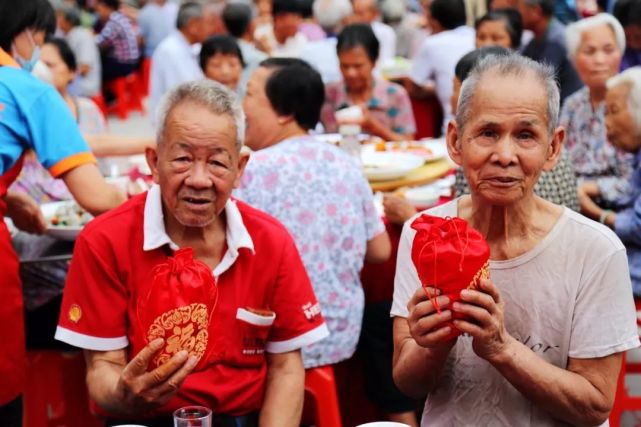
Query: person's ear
554	149
151	154
453	141
243	158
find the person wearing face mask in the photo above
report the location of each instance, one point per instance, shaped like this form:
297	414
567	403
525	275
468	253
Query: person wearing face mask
32	117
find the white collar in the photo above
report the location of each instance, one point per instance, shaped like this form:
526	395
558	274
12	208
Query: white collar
155	235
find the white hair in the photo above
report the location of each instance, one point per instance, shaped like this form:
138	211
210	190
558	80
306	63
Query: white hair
574	32
330	13
211	95
393	10
631	76
513	65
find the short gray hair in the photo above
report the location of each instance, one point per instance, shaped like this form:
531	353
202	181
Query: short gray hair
187	12
630	76
330	13
211	95
574	32
510	65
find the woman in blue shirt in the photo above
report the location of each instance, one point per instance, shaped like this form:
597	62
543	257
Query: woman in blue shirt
34	117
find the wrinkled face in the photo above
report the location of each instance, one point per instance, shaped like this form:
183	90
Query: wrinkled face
505	144
262	121
286	25
493	33
598	56
622	131
356	68
60	73
363	11
197	165
225	69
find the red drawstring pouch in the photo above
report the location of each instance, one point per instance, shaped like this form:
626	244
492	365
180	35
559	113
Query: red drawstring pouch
179	307
450	256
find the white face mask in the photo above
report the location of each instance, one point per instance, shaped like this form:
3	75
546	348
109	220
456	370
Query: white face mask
30	63
42	72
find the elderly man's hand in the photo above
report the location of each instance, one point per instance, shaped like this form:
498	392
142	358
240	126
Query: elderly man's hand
144	390
397	209
426	325
485	308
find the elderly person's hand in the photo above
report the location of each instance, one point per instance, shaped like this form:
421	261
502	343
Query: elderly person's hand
144	390
397	209
25	213
425	323
485	308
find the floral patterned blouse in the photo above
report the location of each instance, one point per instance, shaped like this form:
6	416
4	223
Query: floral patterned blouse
319	193
594	158
389	104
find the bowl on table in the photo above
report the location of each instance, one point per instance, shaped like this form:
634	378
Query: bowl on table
423	197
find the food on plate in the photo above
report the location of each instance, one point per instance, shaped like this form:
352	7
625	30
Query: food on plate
406	147
69	215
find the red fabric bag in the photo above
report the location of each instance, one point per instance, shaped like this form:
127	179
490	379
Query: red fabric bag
449	255
179	307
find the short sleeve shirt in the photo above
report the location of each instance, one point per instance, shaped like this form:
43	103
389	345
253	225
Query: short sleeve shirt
261	271
34	116
389	104
569	296
319	193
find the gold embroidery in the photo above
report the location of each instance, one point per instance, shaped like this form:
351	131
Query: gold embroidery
483	273
184	328
75	313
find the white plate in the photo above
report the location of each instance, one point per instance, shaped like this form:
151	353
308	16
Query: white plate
430	150
384	166
62	232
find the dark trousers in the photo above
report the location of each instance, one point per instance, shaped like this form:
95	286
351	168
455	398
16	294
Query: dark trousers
11	413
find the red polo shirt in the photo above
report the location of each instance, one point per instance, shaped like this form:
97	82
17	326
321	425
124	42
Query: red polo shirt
261	270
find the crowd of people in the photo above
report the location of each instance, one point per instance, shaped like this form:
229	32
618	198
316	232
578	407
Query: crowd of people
541	109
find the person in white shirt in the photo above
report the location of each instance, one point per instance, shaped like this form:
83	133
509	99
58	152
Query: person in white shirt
433	66
175	60
367	12
282	38
543	336
155	24
81	41
321	54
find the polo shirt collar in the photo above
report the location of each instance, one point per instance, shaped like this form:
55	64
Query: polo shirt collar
155	235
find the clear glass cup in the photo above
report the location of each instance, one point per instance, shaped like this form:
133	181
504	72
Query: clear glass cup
192	416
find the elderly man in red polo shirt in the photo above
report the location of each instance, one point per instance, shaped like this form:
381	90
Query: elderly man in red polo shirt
266	309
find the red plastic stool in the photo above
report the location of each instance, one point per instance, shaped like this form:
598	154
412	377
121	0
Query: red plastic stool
55	392
144	75
119	89
320	394
135	93
624	401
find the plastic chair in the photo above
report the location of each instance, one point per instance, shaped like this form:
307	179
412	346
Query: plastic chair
55	392
624	401
144	76
128	97
320	392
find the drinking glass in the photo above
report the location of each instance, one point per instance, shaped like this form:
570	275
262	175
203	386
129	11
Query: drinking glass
192	416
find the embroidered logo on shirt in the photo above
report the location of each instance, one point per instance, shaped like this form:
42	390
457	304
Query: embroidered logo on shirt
311	310
75	313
